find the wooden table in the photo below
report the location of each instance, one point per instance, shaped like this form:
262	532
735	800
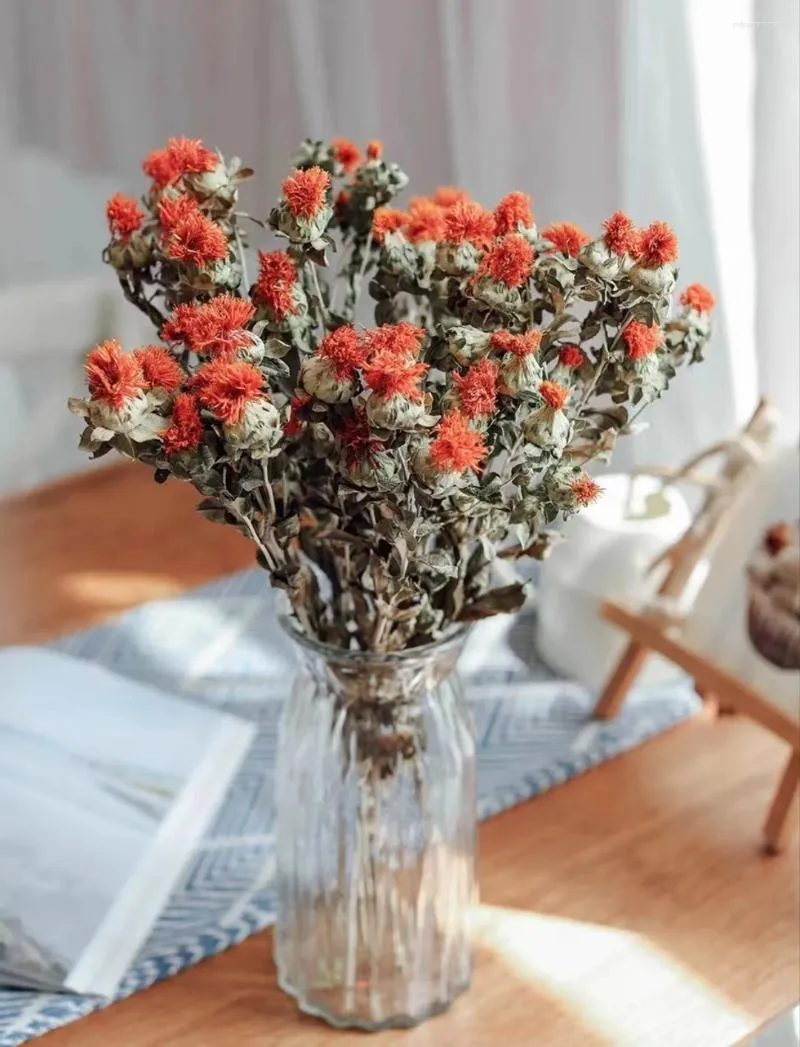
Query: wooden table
627	907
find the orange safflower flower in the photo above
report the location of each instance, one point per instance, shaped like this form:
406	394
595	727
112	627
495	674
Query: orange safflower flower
509	261
698	297
180	323
425	221
468	221
585	489
113	376
401	340
232	313
174	209
512	211
124	216
387	220
226	387
179	156
159	367
553	394
518	344
389	375
447	195
657	245
356	438
159	166
296	425
186	427
566	237
641	340
477	389
277	277
197	241
346	153
374	149
620	234
571	356
305	191
456	446
344	349
219	327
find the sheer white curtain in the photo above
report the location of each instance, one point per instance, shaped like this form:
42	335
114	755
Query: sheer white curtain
672	110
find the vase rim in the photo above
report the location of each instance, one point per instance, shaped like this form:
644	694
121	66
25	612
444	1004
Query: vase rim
454	637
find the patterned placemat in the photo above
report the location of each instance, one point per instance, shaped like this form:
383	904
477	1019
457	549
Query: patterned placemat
220	645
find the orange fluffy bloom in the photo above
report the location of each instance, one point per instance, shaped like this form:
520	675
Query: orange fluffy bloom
477	389
566	237
226	387
401	340
305	191
174	209
468	221
197	241
160	368
217	327
571	356
641	340
124	216
657	245
112	375
620	234
277	277
387	220
509	261
390	375
512	211
179	156
346	153
180	323
425	221
447	195
553	394
160	167
585	489
698	297
232	313
296	424
374	149
518	344
356	438
344	349
186	427
456	446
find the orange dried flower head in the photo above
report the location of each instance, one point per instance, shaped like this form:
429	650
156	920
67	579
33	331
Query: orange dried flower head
344	349
124	216
174	209
232	313
181	322
620	234
425	221
566	237
219	326
197	241
477	389
305	191
698	297
357	440
518	344
186	427
456	446
468	221
226	387
346	153
641	340
390	375
190	156
512	211
657	245
571	356
387	220
447	195
553	394
585	489
277	277
159	367
509	261
374	149
402	340
160	167
113	376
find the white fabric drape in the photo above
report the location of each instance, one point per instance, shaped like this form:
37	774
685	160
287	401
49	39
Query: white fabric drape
588	106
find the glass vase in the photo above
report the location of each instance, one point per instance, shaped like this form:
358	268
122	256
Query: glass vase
375	849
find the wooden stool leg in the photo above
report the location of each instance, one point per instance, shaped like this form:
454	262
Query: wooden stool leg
776	819
616	689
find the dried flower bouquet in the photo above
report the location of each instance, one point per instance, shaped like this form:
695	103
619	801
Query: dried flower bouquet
380	471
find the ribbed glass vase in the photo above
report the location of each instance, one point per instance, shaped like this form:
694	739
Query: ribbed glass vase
375	795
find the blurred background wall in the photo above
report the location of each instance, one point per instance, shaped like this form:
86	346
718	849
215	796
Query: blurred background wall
685	111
